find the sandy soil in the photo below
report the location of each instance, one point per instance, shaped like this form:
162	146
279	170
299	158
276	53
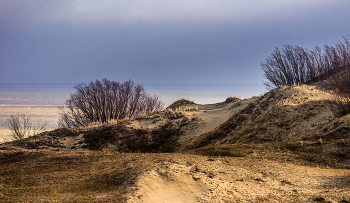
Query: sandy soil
224	179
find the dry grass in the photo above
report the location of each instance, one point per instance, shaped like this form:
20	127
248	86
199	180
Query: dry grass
169	113
232	99
69	177
180	102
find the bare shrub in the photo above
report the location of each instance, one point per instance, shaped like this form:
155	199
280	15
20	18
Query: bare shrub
340	84
22	127
338	61
103	101
294	65
337	57
291	65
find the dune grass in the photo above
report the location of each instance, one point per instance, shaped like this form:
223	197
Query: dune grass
69	177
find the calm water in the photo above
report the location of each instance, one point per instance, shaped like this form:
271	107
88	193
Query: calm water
40	101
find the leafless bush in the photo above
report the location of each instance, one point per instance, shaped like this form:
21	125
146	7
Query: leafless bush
337	70
294	65
103	101
337	66
337	57
22	127
291	65
340	84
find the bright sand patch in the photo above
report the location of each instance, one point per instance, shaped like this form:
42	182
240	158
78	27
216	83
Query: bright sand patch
161	186
201	179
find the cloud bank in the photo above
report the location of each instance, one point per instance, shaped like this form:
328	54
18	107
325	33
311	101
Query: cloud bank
192	41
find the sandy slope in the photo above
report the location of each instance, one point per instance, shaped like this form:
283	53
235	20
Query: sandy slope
284	114
211	116
201	179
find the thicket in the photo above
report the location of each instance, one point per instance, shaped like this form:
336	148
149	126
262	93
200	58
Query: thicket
294	65
106	100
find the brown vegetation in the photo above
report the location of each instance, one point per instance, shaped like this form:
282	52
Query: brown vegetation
103	101
180	102
339	84
69	177
294	65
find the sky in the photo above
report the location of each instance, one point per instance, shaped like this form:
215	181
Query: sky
158	41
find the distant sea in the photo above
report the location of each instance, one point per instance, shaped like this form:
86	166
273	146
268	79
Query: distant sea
40	101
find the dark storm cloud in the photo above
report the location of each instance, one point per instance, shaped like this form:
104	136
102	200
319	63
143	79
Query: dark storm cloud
158	41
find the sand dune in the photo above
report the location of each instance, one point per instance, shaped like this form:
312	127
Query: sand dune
284	146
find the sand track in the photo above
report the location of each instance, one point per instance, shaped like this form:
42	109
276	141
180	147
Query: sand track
212	116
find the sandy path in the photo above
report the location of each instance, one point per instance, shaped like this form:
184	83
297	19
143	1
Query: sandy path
203	179
212	116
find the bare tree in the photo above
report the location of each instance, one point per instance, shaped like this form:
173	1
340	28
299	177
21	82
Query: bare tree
294	65
102	101
291	65
22	127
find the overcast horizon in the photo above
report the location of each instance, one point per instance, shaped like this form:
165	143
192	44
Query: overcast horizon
157	42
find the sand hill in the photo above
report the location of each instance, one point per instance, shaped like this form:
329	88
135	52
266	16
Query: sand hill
283	146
